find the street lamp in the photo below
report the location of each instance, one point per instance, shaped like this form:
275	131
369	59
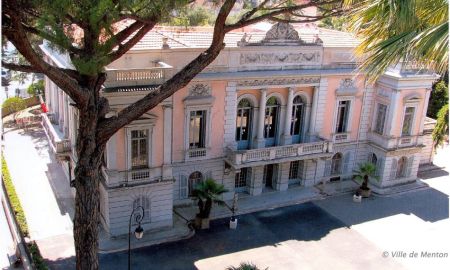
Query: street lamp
138	232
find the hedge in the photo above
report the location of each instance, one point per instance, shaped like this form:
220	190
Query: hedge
14	199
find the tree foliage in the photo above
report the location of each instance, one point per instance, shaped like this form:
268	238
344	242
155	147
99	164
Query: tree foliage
441	131
438	98
397	30
14	105
208	192
36	88
95	33
193	16
365	173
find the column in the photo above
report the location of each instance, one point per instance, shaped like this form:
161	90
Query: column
392	120
256	186
260	142
287	138
306	123
66	116
312	121
167	164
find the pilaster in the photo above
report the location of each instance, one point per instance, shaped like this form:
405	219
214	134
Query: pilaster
392	119
167	140
256	182
260	141
230	116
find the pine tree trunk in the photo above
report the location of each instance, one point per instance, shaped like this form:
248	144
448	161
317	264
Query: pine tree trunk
87	173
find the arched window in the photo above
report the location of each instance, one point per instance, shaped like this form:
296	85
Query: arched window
401	167
194	179
336	164
271	120
298	109
144	202
243	123
373	159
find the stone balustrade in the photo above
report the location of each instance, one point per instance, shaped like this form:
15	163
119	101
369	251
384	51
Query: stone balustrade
58	144
136	76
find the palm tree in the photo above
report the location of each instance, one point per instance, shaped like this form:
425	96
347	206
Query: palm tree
208	192
244	266
366	171
397	30
441	129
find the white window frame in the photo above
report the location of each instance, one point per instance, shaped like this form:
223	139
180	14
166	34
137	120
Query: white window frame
412	104
350	114
128	129
187	113
375	117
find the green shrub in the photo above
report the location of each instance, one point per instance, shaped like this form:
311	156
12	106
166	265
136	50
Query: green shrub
14	199
36	257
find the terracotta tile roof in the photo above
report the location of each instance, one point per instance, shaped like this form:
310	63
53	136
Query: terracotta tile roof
201	37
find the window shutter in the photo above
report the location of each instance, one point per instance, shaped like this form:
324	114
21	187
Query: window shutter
409	166
369	157
143	201
394	169
327	170
380	165
208	175
183	187
347	167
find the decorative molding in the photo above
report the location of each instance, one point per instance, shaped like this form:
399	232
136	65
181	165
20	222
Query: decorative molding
200	89
383	92
282	81
346	86
312	57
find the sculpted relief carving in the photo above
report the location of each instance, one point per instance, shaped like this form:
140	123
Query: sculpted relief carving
282	81
346	86
200	90
281	58
282	31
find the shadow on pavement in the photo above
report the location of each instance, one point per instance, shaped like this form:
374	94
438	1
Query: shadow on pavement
304	222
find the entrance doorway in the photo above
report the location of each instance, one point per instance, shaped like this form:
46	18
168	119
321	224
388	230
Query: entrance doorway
270	175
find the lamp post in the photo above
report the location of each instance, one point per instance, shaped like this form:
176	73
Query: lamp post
138	232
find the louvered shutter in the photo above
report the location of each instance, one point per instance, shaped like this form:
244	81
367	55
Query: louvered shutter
208	175
327	170
346	168
394	169
183	187
248	181
380	166
409	166
369	157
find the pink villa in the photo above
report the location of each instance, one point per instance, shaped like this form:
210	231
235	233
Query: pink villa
282	107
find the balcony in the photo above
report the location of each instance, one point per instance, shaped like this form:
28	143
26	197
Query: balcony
58	143
118	78
392	143
317	147
133	177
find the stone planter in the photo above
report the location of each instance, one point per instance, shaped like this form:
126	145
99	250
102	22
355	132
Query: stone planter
233	224
365	193
357	198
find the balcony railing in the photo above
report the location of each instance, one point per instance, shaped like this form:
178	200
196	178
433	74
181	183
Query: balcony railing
136	76
238	157
133	177
395	142
58	144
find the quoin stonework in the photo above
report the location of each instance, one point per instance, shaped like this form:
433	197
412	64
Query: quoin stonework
279	108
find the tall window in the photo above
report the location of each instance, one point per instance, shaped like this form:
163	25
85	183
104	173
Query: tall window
271	119
243	123
296	169
297	116
408	121
342	116
139	149
194	179
197	129
380	118
401	167
336	164
240	179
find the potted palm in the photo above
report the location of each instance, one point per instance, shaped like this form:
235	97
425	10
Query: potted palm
363	174
207	193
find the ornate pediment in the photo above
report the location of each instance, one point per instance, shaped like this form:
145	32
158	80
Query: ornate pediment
282	32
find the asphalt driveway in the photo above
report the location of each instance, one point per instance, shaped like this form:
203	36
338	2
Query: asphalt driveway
284	238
